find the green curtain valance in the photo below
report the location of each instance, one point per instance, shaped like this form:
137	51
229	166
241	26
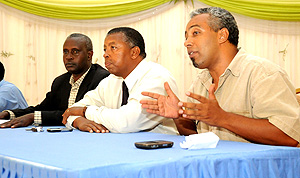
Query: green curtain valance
82	9
281	10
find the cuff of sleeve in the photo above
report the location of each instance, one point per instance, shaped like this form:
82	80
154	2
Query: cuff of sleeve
11	114
37	118
90	112
70	121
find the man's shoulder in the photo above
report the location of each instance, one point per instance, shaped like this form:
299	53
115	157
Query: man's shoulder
96	73
247	64
5	83
156	69
259	64
98	69
62	77
8	87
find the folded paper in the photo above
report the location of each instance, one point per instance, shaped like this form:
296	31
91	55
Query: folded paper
199	141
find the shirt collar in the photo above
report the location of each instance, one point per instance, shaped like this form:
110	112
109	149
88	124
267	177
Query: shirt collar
133	77
79	81
235	65
233	68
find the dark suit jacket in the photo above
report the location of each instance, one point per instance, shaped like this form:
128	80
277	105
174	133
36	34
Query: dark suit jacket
56	101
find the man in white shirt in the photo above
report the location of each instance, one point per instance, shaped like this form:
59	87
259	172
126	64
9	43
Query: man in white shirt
102	109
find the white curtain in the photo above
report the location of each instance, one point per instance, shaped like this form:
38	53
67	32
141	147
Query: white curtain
36	44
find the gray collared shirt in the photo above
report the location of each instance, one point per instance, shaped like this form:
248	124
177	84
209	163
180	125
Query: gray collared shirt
255	88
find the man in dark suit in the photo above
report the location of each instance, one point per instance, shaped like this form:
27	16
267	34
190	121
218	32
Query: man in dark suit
66	89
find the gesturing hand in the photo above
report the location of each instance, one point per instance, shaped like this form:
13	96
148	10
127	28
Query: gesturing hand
207	111
73	111
166	106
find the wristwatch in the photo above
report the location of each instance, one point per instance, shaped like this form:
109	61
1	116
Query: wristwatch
83	111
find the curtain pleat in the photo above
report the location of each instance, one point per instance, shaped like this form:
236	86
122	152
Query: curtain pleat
81	9
94	9
261	9
36	43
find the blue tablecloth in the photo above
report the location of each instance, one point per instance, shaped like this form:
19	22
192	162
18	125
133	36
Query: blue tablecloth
88	155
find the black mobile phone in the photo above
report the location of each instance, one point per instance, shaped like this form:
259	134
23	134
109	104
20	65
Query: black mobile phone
60	129
154	144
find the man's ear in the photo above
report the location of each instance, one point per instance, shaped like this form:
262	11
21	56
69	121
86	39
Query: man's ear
223	35
135	52
90	55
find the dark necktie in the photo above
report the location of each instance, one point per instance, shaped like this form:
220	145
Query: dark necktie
125	94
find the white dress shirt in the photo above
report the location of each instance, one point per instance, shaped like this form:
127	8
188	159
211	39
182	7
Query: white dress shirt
104	103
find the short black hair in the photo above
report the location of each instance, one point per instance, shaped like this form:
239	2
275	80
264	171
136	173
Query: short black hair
88	41
2	71
133	38
220	18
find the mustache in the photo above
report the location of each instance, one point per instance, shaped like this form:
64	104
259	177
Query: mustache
70	63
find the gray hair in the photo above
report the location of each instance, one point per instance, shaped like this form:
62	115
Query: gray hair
220	18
